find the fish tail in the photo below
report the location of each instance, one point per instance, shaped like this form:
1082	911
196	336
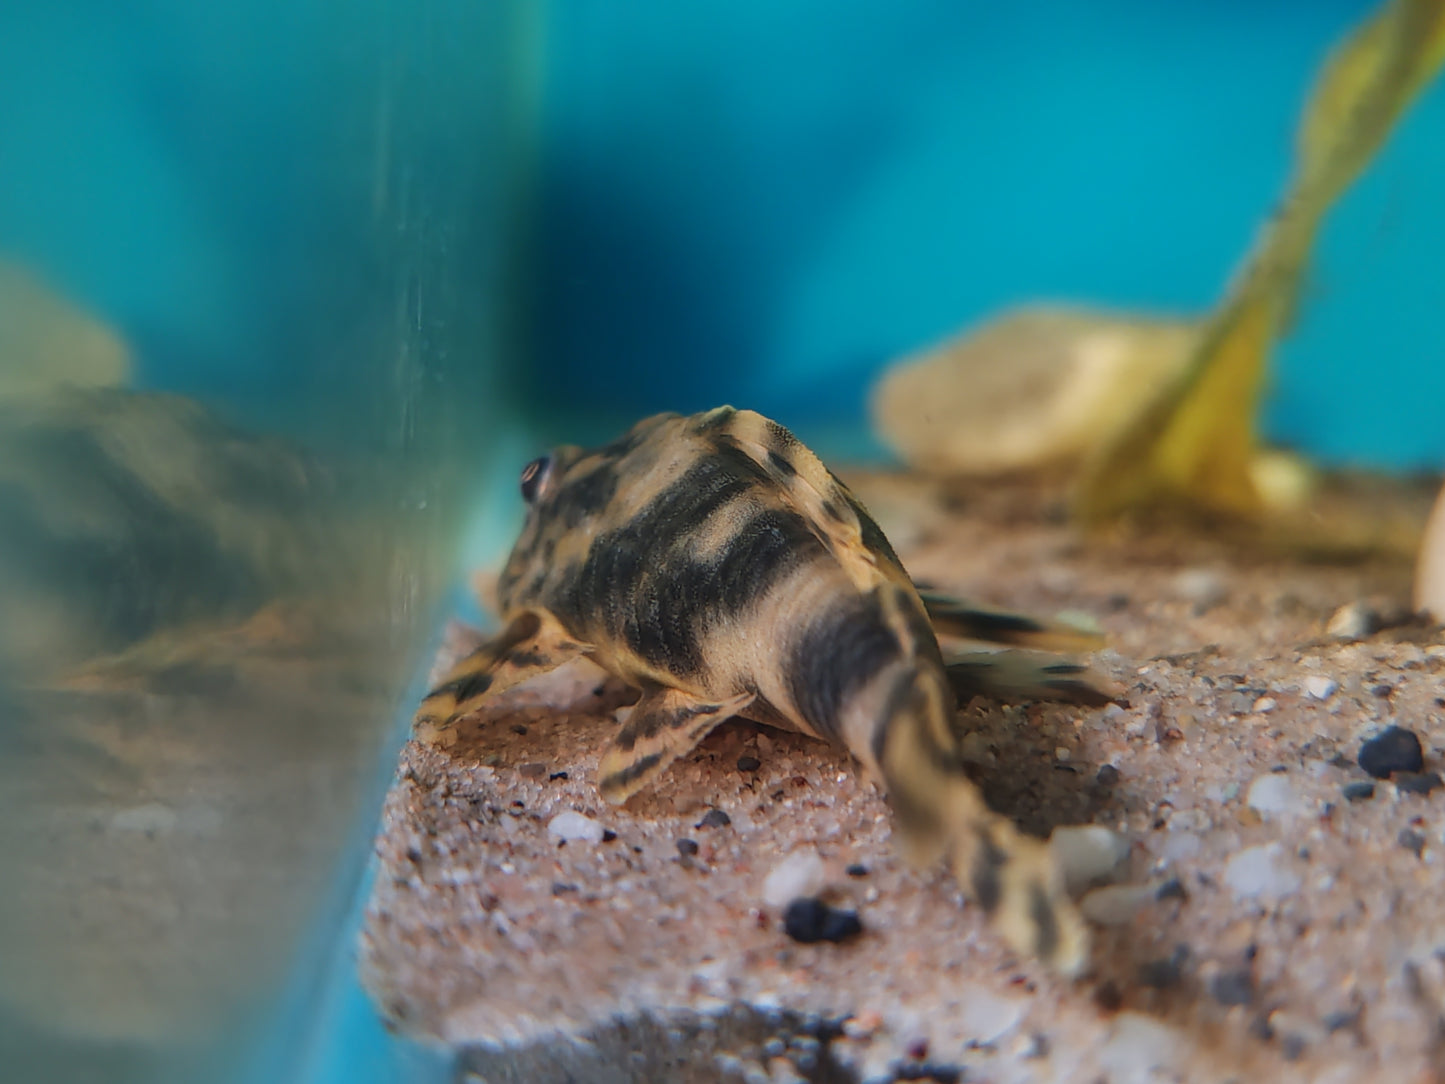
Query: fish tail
940	812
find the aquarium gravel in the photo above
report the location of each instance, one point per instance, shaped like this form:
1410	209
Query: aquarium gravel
1277	912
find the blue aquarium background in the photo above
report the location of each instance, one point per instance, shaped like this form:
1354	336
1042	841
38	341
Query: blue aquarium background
436	234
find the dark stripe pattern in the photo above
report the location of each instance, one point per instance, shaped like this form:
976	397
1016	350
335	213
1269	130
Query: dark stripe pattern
836	654
642	584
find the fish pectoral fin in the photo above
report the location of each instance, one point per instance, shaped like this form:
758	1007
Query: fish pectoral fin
1008	674
963	620
664	725
533	642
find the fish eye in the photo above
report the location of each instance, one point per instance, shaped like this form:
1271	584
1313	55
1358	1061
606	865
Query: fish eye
533	475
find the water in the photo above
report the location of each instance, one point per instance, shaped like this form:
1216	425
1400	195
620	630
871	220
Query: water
289	291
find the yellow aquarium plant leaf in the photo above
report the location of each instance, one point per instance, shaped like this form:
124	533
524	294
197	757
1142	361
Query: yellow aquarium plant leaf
1196	445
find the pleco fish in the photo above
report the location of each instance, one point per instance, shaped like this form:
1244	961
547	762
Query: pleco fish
715	564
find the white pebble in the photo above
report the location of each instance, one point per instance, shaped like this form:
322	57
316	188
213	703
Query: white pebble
1265	704
1087	854
1179	846
1257	871
799	874
1200	586
1352	621
985	1016
1274	794
1190	820
570	825
1319	687
1115	905
1140	1048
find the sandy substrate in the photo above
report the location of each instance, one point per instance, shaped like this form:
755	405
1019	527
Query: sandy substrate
1272	920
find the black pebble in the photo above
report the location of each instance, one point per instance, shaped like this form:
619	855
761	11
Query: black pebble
1394	749
714	818
556	776
1108	996
1108	775
687	847
749	764
1417	782
808	919
927	1070
1161	974
1359	790
518	728
608	835
1341	1019
1411	840
1172	889
1233	987
857	869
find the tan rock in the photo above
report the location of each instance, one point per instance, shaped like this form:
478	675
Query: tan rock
1034	388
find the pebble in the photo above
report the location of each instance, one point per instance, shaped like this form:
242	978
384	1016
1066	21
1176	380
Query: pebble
687	847
1295	1033
574	826
1165	972
714	818
986	1016
1141	1048
1394	749
1264	705
1233	987
1172	889
749	763
1201	586
1275	795
809	920
1115	905
800	874
1087	854
1358	791
1353	621
1417	782
1258	871
1108	775
863	1026
1319	687
1411	840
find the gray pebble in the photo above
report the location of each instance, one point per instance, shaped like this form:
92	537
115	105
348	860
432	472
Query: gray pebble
1411	840
1417	782
714	818
1233	987
1359	790
1393	749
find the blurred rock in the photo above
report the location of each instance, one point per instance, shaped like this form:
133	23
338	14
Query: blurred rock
1034	388
1430	573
